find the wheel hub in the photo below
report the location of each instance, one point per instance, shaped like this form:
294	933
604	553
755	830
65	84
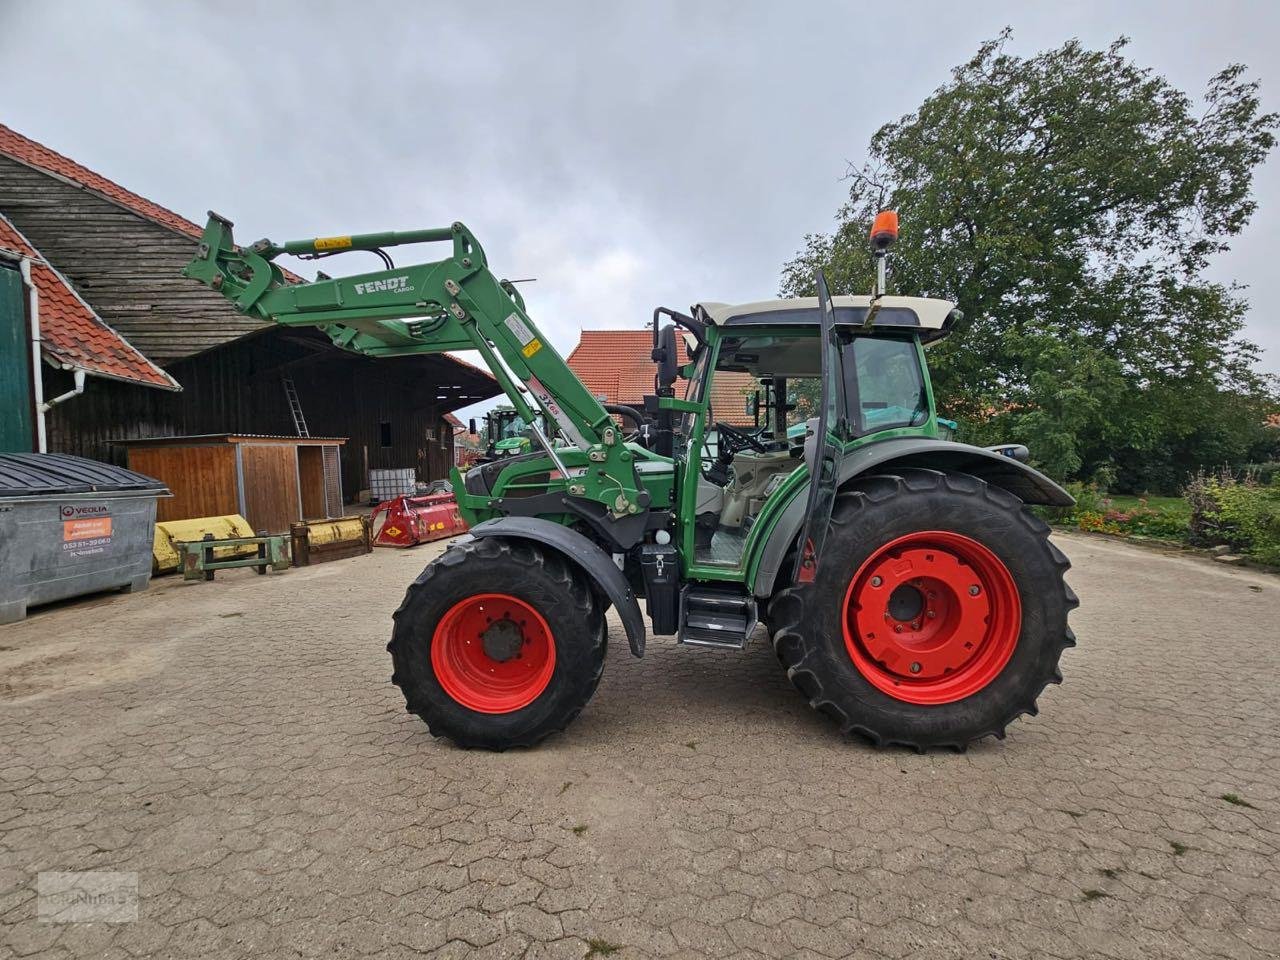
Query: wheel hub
502	640
931	617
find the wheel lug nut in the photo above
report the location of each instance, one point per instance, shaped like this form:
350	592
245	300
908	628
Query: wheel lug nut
897	628
876	581
915	667
931	614
974	590
915	624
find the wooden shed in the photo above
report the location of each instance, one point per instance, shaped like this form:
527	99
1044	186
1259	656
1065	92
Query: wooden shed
271	481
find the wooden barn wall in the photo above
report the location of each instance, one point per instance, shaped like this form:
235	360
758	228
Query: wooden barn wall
239	388
352	398
127	267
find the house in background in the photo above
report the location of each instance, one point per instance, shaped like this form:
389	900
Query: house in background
618	366
155	354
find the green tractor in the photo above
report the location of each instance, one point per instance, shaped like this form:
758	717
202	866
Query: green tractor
506	434
907	588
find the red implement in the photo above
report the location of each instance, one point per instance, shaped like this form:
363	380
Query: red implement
405	521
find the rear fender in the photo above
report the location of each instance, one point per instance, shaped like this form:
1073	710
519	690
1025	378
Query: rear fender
589	558
885	456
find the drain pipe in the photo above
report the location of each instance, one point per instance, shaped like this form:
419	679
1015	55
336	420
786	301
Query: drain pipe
37	382
77	374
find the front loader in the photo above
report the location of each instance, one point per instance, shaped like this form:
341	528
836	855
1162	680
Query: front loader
906	586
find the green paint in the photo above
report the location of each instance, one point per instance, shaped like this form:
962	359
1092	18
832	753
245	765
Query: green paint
17	434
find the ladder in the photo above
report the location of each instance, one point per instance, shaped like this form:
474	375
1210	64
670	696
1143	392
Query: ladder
295	407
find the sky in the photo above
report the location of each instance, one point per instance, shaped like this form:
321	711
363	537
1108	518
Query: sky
626	155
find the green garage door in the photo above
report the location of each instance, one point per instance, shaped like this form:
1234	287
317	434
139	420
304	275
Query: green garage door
15	365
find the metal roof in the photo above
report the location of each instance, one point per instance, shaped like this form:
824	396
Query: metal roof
32	474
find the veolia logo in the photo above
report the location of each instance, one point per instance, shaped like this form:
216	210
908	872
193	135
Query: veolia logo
81	511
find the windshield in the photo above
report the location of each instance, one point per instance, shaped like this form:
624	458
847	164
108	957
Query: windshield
511	428
693	391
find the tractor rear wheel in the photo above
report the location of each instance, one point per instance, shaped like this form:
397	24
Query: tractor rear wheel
498	644
937	616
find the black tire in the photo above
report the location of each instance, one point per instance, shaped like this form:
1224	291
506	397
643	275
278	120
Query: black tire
806	620
539	577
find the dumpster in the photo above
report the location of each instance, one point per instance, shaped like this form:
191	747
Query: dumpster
70	526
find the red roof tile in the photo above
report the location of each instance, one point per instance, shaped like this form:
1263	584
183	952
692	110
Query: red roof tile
71	334
617	365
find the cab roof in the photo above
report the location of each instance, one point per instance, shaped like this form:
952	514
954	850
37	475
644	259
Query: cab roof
931	318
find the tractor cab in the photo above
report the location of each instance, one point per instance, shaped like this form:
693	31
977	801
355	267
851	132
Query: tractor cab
507	434
755	395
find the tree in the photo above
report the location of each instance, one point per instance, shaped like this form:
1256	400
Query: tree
1070	202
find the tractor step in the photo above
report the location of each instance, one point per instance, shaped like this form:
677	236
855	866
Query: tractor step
716	617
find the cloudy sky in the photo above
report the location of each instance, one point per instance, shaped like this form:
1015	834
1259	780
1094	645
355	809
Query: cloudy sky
624	154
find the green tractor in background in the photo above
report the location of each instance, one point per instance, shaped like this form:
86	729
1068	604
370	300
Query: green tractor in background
905	585
505	434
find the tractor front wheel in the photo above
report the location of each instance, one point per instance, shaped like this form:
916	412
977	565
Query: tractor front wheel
937	616
498	644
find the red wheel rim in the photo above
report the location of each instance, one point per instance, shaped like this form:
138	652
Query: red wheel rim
493	653
932	617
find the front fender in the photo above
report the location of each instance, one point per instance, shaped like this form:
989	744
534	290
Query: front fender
588	557
1024	482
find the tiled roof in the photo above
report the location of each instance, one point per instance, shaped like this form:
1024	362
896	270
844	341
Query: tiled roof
617	365
37	155
71	334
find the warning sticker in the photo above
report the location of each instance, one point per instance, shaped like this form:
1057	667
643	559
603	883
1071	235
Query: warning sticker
92	528
532	347
521	330
332	243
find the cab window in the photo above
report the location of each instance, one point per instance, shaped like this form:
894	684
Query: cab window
885	377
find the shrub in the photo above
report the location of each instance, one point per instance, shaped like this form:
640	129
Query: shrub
1241	513
1095	512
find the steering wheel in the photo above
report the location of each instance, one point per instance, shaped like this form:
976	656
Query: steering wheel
732	441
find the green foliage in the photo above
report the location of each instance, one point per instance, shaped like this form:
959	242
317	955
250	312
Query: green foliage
1163	518
1238	512
1070	203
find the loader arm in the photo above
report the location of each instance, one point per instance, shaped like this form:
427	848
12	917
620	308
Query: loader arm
450	304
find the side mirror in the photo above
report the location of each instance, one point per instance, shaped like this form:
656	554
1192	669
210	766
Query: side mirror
667	355
471	426
753	407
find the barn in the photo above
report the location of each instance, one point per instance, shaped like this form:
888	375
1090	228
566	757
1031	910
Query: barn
101	320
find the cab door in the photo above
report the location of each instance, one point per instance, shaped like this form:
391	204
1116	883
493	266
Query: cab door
823	448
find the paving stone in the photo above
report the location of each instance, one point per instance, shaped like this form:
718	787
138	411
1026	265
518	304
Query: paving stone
238	746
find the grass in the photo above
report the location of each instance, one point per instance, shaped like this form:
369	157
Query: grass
1176	505
1178	848
1096	895
580	829
600	948
1237	801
